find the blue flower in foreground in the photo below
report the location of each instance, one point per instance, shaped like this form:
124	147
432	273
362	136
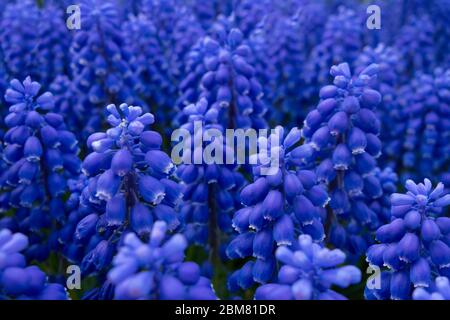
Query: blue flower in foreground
19	281
155	269
308	272
41	154
414	246
281	203
128	185
439	290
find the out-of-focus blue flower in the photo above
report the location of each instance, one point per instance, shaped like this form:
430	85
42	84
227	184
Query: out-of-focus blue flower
414	246
425	148
282	202
308	272
287	51
100	64
159	49
247	14
18	40
41	154
342	138
128	187
40	51
156	269
415	43
439	290
390	111
341	42
17	279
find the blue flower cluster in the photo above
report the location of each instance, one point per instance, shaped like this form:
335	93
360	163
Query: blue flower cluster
343	145
43	49
100	65
439	290
425	143
19	281
281	203
127	188
40	155
414	245
308	272
155	270
229	97
271	121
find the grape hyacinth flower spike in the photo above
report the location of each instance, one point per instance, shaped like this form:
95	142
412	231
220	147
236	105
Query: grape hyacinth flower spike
41	154
19	281
282	202
128	185
342	135
308	272
156	270
414	245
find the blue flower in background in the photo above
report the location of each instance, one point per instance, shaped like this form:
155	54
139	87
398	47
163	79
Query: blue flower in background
341	41
17	39
40	154
415	43
156	269
414	245
308	272
159	49
40	51
425	145
390	111
100	65
17	279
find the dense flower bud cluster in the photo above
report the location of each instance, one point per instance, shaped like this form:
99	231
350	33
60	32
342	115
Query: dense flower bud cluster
425	145
128	185
211	78
341	41
100	65
42	54
229	97
40	154
389	111
280	204
414	246
342	138
19	281
156	270
308	272
439	290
